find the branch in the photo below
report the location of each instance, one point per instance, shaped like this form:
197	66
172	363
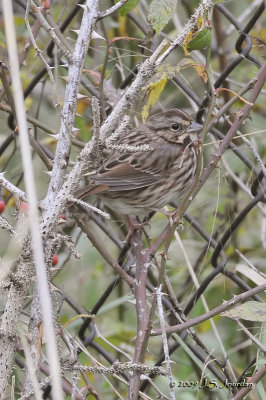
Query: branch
257	377
70	104
143	261
165	343
241	117
217	310
112	9
127	101
102	250
36	240
36	11
190	25
43	126
4	224
17	193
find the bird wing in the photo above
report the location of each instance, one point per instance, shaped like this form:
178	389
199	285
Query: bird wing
119	173
118	176
128	171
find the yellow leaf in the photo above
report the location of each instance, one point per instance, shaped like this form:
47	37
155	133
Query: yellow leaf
164	71
201	71
199	68
235	94
49	140
82	105
186	41
77	317
200	21
19	21
153	93
122	25
28	103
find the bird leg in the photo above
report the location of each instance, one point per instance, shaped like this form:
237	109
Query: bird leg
175	219
133	225
172	216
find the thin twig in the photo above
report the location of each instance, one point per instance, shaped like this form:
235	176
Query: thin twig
167	360
204	317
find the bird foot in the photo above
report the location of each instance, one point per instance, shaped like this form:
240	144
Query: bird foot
134	225
174	219
172	216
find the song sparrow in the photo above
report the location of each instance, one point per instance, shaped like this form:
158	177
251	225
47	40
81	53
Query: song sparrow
136	183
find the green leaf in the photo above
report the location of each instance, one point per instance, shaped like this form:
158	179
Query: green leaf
124	10
250	311
202	39
160	13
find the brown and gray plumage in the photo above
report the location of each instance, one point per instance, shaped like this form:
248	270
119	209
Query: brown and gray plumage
136	183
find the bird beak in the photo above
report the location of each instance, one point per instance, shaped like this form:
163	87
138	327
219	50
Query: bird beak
194	127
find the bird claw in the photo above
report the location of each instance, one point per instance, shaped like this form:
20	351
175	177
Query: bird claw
172	216
174	219
134	226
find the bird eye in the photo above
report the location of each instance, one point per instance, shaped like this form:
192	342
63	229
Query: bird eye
175	127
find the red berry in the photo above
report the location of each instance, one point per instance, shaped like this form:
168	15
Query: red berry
46	4
55	259
24	206
2	206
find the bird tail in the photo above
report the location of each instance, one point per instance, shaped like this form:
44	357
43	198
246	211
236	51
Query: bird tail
88	190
